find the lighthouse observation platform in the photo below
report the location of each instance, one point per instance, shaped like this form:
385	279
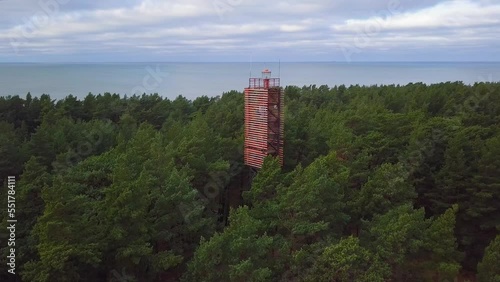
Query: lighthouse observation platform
264	83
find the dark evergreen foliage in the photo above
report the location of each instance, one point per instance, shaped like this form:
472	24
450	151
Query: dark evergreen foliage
380	183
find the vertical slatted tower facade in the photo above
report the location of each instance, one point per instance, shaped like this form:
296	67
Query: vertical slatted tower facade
264	119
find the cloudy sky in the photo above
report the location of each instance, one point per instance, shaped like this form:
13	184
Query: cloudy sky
243	30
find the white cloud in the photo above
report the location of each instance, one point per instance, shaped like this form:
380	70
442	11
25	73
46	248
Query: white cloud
196	26
450	14
447	25
296	8
292	27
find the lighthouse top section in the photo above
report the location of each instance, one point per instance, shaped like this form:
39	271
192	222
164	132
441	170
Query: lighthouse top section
265	82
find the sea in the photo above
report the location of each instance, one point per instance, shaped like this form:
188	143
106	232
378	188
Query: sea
192	80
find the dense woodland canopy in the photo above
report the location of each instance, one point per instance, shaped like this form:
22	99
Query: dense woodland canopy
380	183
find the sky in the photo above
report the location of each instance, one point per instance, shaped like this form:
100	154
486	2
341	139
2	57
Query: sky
249	30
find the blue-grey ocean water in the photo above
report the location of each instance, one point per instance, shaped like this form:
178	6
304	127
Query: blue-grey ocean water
195	79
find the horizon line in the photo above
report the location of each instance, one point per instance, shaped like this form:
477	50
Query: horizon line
208	62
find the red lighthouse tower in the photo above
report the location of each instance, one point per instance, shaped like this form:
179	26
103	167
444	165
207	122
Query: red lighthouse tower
263	119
